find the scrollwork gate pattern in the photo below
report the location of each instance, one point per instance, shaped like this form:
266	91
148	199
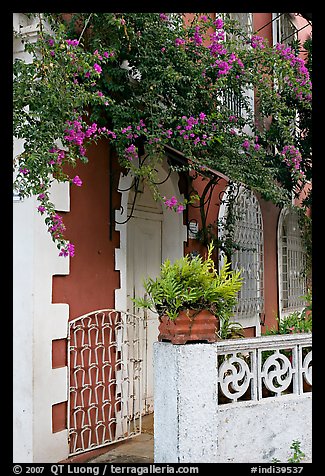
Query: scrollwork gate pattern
104	361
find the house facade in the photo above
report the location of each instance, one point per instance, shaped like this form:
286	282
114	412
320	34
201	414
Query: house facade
67	391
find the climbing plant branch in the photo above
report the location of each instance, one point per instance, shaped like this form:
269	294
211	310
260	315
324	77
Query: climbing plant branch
147	80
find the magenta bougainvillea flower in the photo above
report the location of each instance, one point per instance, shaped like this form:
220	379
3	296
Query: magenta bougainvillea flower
77	181
97	68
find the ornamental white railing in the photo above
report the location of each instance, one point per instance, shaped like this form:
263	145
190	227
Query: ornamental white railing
268	366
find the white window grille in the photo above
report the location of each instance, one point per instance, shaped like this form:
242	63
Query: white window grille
249	257
283	29
292	262
232	101
230	98
245	20
285	32
248	235
241	108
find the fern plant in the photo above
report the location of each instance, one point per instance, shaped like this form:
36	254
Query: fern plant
192	283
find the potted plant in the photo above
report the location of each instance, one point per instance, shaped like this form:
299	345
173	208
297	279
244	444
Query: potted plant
192	298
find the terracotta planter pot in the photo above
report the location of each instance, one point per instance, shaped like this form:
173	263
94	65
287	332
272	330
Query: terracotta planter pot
189	326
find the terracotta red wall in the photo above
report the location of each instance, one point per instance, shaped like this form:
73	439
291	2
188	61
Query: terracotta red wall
270	214
92	279
262	20
212	215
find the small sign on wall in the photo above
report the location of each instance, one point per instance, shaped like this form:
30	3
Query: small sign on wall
16	197
193	229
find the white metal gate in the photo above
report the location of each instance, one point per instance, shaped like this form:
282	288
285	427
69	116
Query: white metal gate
104	372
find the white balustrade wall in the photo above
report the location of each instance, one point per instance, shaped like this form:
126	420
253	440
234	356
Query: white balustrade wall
240	400
265	366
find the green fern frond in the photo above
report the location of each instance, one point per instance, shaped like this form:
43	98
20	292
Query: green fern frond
192	282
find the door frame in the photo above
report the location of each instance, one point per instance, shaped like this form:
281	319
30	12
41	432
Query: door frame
174	232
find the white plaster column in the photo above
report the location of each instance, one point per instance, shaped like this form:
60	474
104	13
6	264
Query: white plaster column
185	403
23	305
36	386
36	320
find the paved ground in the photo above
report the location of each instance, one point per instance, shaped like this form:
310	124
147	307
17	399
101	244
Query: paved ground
138	449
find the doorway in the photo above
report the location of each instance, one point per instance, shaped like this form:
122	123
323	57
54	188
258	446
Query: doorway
144	257
154	233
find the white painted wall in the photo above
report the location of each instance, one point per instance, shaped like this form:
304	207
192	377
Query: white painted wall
191	427
36	386
264	430
23	258
36	321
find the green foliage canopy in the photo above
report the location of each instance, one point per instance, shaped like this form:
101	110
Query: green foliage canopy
147	80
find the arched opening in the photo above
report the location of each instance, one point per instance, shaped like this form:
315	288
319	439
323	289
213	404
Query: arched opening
248	255
291	263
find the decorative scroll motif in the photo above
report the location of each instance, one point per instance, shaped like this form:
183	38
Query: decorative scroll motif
104	379
307	368
235	377
267	366
277	372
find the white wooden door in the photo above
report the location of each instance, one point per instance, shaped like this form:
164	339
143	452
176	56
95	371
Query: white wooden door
143	260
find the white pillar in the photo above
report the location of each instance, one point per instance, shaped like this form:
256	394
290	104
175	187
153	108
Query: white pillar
36	320
185	403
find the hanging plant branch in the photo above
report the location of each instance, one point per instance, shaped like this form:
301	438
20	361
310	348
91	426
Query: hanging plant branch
150	80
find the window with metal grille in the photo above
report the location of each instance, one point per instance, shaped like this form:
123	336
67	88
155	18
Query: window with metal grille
245	20
284	30
292	261
231	99
240	209
242	106
249	257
